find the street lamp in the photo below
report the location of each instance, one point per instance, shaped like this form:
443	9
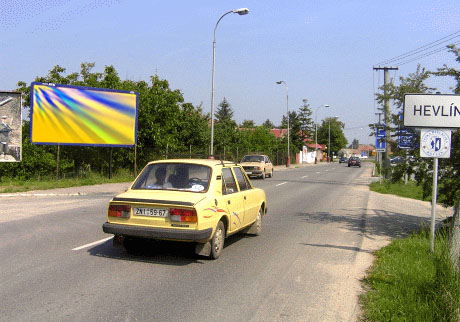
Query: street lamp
329	144
288	160
316	131
241	12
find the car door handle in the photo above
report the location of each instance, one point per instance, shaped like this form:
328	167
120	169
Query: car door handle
228	202
244	197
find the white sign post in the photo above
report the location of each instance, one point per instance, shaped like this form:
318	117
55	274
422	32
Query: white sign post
437	112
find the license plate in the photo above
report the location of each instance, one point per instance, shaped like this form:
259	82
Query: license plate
151	212
248	172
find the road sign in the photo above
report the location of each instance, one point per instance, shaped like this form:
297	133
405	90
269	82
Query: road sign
432	111
381	133
406	139
435	143
380	144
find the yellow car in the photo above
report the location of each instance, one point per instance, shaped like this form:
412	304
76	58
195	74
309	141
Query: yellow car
190	200
258	165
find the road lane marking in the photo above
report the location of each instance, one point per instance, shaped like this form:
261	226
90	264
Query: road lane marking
279	184
318	172
94	243
304	177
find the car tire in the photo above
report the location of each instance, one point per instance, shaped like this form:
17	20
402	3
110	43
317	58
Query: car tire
256	227
217	241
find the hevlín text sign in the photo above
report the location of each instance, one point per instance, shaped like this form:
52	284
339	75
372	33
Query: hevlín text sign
432	111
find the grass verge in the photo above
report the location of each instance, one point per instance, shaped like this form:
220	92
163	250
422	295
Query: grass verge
9	185
409	190
409	283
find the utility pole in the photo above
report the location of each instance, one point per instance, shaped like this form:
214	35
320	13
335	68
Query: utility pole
386	110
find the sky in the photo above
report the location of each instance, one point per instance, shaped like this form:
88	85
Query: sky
323	50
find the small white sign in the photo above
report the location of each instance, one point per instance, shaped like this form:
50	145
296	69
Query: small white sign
432	111
435	143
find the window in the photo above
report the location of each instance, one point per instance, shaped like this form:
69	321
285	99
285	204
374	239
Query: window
174	176
253	158
228	182
242	181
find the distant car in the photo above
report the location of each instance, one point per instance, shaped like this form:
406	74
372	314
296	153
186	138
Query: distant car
189	200
396	160
354	162
257	165
343	160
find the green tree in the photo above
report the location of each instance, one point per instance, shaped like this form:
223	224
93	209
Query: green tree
451	72
224	112
248	124
338	140
268	124
226	134
307	123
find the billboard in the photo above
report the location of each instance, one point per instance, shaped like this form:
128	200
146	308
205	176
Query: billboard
10	127
74	115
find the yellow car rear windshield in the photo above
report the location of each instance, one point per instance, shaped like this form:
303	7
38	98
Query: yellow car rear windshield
174	176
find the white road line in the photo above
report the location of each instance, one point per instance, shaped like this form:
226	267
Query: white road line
92	244
304	177
318	172
279	184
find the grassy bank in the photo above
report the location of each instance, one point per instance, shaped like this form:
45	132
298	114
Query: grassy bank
409	283
409	190
90	178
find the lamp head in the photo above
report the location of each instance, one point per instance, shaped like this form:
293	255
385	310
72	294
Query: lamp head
241	11
279	82
326	105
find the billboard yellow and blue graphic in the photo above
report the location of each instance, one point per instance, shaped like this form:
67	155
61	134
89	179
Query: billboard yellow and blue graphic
76	115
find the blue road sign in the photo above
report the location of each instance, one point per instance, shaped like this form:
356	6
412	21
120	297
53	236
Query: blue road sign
406	139
380	144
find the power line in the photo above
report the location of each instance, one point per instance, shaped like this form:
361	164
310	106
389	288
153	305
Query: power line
425	55
422	48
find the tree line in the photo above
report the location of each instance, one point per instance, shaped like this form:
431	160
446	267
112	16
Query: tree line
167	127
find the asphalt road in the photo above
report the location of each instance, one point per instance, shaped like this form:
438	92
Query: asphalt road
57	264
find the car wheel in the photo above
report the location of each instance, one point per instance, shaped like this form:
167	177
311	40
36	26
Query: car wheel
256	227
217	241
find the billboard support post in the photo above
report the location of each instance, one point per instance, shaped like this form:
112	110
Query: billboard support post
110	163
57	161
135	160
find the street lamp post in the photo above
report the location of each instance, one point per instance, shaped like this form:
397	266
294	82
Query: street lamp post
329	143
316	131
241	11
288	159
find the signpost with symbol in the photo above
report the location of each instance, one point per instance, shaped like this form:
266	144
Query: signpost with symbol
436	115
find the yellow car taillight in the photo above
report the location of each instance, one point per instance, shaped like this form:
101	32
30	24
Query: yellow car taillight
122	211
183	215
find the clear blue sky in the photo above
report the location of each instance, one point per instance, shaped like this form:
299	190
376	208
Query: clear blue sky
323	50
